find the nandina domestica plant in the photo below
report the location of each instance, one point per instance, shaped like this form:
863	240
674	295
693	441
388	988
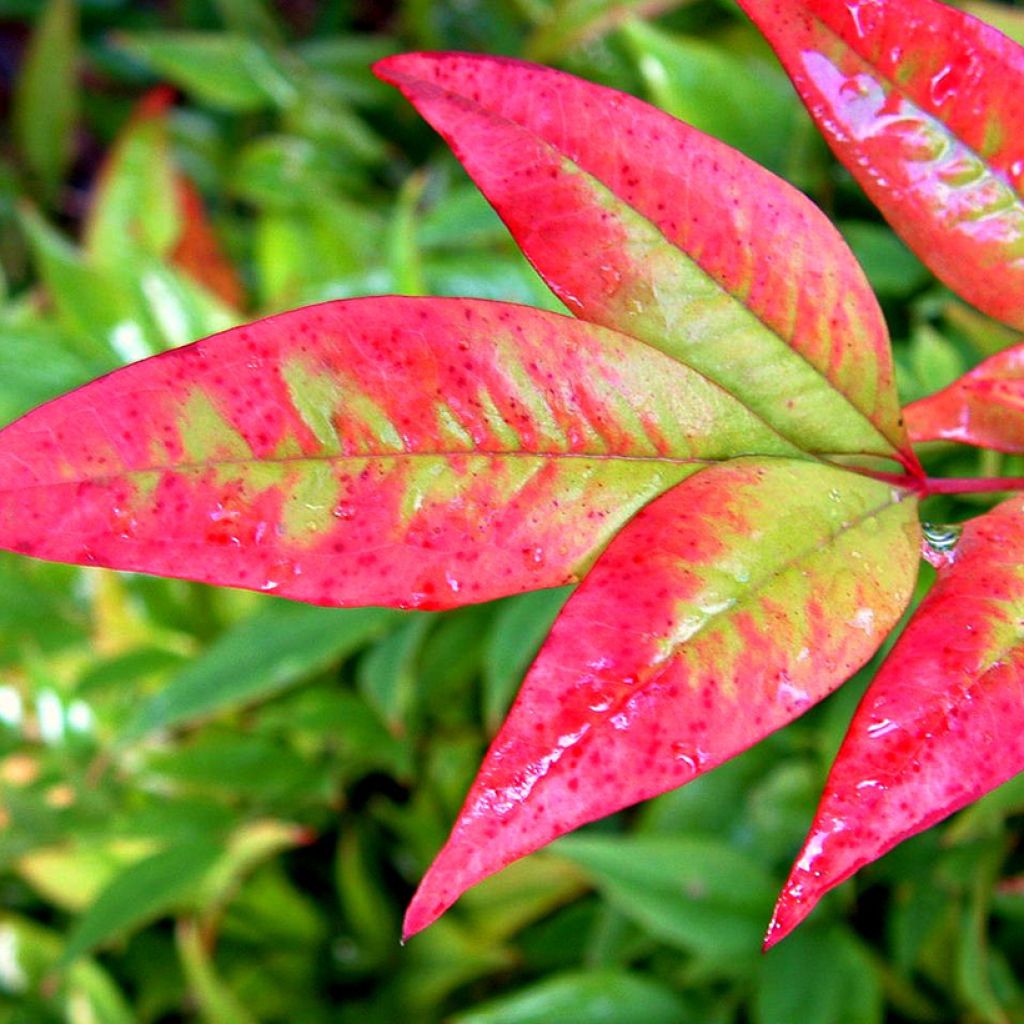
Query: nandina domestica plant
713	446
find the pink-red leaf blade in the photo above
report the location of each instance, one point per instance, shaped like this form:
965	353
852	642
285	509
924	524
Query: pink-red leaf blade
984	407
942	723
924	104
411	452
642	223
726	608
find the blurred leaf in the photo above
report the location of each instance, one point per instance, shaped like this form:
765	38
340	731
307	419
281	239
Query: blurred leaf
257	658
387	674
217	1004
37	363
818	976
606	997
569	23
225	69
526	890
743	101
251	18
133	203
700	894
71	876
46	95
86	993
519	628
891	267
92	307
342	63
141	893
404	259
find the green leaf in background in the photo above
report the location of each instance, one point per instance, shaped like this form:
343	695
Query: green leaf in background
139	894
822	978
597	997
698	893
258	657
46	96
741	100
85	993
216	1002
513	642
891	267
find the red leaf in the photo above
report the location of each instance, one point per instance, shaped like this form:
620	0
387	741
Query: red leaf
198	251
641	223
709	622
984	407
941	724
924	104
412	452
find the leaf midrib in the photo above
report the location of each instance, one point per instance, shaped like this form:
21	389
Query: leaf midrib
661	666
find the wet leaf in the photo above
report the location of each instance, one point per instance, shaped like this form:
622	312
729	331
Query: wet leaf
707	624
368	452
922	103
940	725
674	243
985	407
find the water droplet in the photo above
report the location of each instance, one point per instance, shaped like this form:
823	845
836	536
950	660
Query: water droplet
611	279
686	756
940	542
534	555
454	584
343	510
269	584
882	727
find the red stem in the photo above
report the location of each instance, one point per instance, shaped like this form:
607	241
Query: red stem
929	485
973	485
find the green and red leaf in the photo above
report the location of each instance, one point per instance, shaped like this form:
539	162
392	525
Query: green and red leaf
924	104
984	407
726	608
941	724
641	223
412	452
141	200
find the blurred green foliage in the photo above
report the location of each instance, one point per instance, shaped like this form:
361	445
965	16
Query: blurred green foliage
214	805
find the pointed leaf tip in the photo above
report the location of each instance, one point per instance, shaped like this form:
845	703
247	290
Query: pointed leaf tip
924	104
985	407
708	623
644	224
941	724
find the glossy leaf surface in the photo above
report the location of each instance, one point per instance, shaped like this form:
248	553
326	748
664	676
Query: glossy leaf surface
422	453
641	223
709	622
925	106
941	724
984	407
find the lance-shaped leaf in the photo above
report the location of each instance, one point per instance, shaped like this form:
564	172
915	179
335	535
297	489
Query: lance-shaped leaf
984	407
641	223
941	724
413	452
142	201
726	608
924	104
